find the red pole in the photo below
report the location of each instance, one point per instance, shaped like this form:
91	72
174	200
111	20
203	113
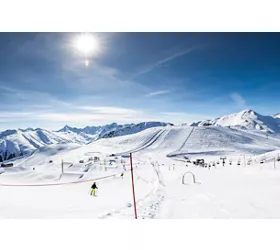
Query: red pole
133	191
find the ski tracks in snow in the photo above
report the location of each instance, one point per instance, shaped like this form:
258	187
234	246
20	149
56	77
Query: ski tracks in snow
148	143
148	206
151	205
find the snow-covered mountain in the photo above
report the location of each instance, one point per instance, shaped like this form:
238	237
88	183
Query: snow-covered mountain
246	119
18	142
92	130
178	141
91	133
133	128
21	141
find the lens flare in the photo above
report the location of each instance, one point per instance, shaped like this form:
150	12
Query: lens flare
87	44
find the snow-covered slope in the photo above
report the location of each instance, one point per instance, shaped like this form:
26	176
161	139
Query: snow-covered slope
246	119
230	191
268	157
91	133
240	129
15	143
171	141
177	141
133	128
18	142
71	136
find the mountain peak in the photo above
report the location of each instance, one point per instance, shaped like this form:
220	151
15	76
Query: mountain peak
246	119
26	130
8	132
248	111
67	128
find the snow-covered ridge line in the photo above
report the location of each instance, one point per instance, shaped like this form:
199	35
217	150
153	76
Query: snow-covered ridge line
247	120
18	142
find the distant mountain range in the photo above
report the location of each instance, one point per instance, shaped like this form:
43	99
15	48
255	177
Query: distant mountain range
18	142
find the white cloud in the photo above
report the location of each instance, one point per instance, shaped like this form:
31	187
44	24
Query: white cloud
90	115
161	92
99	79
238	99
110	110
164	60
30	98
13	116
82	116
174	113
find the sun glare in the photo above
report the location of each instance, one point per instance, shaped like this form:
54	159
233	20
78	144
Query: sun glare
87	44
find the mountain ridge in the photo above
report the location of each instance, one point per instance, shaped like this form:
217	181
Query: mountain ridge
247	119
18	142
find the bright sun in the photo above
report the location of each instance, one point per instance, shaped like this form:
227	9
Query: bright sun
87	44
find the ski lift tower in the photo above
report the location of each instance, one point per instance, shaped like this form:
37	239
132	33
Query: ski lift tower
223	160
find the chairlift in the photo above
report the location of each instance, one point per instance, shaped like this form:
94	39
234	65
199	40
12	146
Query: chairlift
262	160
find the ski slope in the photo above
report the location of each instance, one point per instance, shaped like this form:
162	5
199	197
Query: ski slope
184	140
35	186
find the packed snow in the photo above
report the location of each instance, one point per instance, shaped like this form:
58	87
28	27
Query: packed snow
19	142
54	181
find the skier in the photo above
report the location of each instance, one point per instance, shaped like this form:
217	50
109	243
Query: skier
122	175
93	189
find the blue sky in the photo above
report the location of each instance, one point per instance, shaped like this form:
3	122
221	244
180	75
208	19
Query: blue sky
134	77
